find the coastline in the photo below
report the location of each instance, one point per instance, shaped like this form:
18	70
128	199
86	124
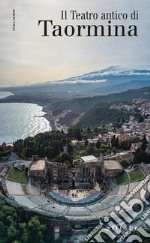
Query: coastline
40	102
6	98
23	120
53	120
49	117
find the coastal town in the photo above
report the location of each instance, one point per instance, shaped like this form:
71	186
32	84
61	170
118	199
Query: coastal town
83	174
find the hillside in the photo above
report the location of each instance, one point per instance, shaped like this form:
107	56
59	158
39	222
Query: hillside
102	114
93	111
81	105
79	110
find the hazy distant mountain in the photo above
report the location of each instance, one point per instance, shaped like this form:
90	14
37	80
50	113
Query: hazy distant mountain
102	75
82	105
84	111
93	110
106	81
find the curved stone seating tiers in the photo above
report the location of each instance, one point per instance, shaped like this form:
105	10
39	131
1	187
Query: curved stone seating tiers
24	201
62	199
39	200
14	188
81	211
31	190
53	208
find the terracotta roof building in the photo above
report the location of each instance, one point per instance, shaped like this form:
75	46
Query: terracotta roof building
111	168
38	168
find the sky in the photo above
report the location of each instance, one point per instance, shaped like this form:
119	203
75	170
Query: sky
26	57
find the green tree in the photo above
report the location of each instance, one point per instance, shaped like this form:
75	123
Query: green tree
14	229
35	230
90	150
125	144
64	157
70	149
86	142
74	132
27	152
23	232
144	143
98	144
12	233
140	156
49	152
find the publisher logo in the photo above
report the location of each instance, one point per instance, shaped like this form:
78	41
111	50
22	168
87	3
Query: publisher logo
119	225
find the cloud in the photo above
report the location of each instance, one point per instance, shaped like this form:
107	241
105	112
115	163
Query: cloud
81	81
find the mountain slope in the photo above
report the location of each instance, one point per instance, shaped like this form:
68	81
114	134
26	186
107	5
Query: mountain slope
101	114
94	115
82	105
106	81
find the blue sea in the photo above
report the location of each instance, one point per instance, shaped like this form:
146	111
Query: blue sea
20	120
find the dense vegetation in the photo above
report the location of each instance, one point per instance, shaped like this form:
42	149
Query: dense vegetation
101	114
4	153
57	146
86	103
57	105
48	144
19	227
54	145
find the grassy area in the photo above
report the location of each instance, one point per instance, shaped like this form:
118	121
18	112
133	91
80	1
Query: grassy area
122	179
17	176
136	175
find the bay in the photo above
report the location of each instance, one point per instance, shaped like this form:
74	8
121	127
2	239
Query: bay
20	120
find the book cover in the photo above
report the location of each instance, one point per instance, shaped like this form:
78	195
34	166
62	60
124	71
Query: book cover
72	69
